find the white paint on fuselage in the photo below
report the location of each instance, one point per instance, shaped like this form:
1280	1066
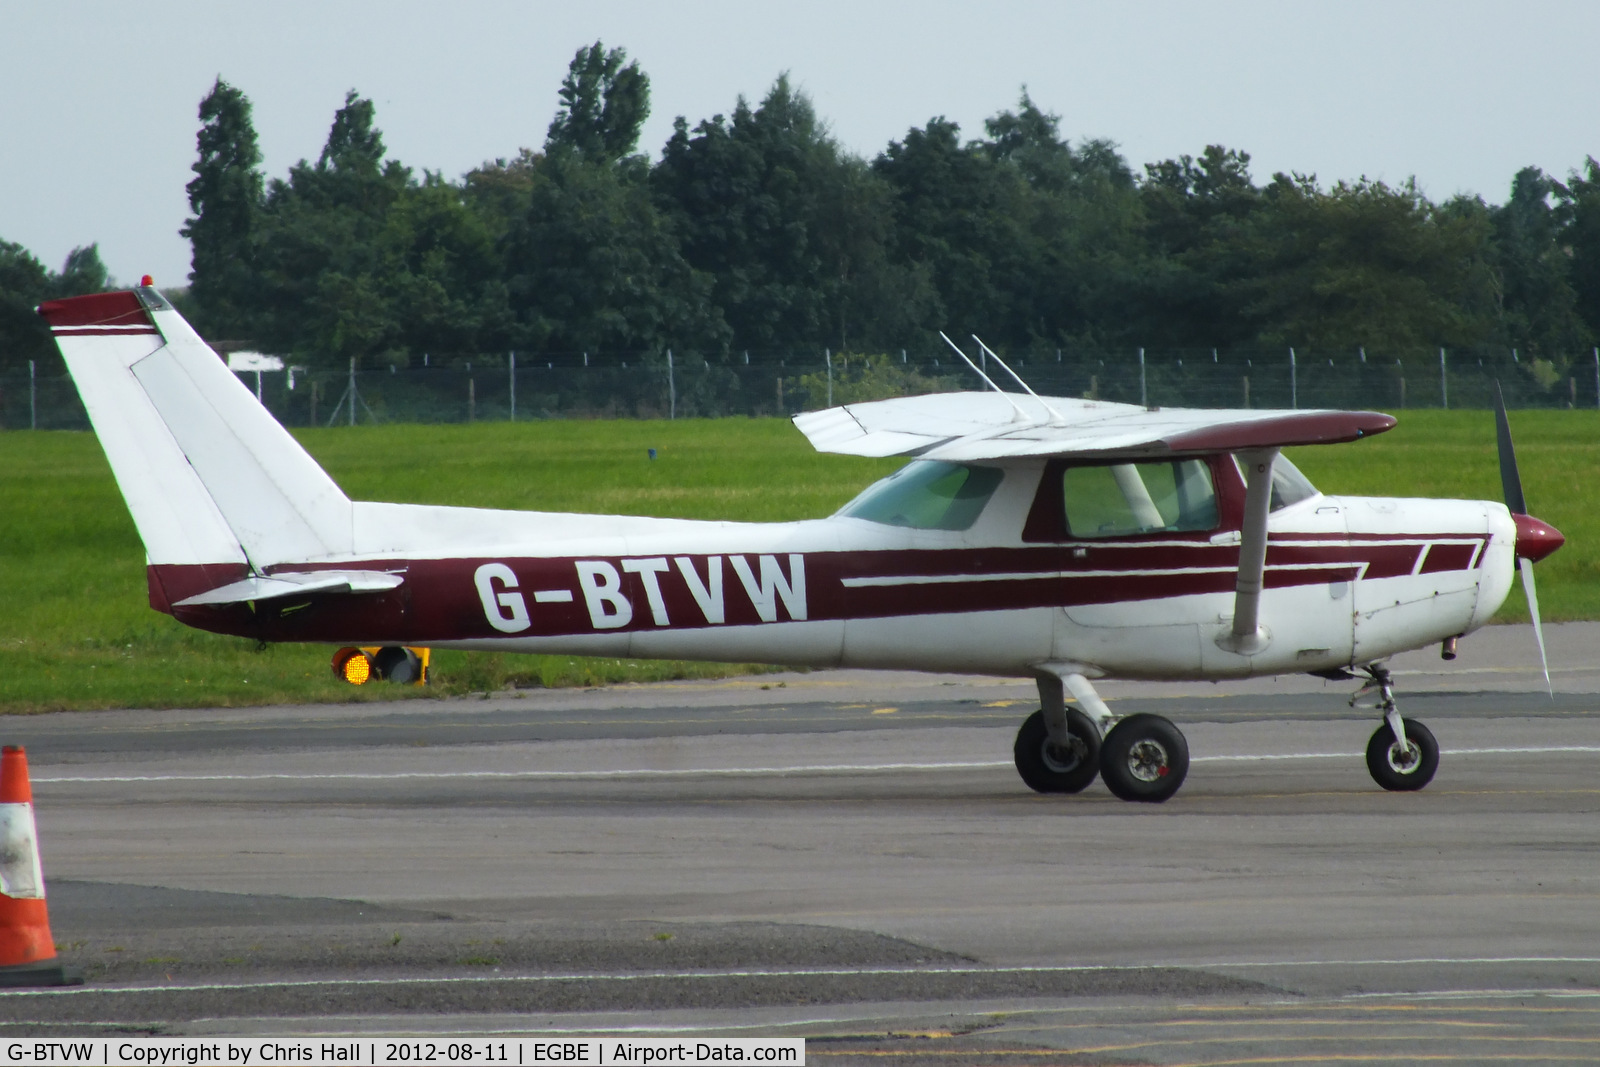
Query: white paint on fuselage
1311	626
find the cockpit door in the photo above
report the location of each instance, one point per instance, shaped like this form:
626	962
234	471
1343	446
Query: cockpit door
1132	541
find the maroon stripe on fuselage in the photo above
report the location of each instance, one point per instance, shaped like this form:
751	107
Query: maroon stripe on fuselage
1449	558
460	599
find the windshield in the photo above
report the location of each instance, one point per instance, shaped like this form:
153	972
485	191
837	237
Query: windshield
1289	486
928	495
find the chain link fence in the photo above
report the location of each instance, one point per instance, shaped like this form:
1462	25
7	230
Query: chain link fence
500	387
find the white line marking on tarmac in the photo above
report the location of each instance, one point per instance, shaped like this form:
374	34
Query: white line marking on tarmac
680	772
704	772
790	972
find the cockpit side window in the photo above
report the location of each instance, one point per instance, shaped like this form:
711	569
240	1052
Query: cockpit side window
928	495
1092	501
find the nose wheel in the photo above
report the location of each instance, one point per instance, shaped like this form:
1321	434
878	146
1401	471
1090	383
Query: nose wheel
1402	755
1403	766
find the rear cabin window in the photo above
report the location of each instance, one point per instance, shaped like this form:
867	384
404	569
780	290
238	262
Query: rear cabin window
928	495
1129	499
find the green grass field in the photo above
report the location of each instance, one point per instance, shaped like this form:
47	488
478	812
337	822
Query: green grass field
75	630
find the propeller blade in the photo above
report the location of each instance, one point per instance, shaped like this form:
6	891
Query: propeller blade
1511	486
1510	480
1526	566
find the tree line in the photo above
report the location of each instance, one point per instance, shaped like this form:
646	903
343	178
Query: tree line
755	231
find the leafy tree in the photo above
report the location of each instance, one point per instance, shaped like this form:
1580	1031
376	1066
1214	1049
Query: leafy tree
25	283
328	254
593	266
1079	229
1362	264
1537	304
1196	217
1025	237
1579	217
226	197
779	217
603	106
958	218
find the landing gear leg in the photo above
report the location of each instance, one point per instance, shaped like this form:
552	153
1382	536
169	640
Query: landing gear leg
1058	748
1402	755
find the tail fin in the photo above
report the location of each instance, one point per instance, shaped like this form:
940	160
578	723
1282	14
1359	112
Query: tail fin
209	475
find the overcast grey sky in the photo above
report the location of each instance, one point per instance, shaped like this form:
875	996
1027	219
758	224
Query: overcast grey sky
98	100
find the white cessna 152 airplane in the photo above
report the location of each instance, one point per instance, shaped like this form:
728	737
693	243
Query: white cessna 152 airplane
1067	540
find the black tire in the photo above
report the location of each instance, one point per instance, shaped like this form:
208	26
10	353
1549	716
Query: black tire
1400	771
1046	767
1144	758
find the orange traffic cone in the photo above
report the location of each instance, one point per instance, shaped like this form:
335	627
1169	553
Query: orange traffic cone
27	951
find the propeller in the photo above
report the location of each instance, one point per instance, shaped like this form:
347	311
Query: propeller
1535	539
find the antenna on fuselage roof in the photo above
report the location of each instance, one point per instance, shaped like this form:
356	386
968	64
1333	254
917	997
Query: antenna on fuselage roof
1056	415
1020	413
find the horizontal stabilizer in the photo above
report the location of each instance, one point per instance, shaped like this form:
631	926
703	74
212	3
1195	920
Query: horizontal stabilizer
293	583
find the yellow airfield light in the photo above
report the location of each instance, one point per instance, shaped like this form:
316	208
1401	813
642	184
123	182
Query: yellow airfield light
353	666
393	663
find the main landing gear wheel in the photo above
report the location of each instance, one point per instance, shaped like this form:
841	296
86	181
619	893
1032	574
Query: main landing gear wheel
1051	768
1144	757
1403	768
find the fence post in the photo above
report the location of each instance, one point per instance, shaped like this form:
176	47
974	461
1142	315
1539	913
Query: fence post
33	397
352	390
1144	394
1247	390
511	369
827	354
1294	382
672	389
1597	377
1444	383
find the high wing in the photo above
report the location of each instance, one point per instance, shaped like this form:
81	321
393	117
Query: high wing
962	427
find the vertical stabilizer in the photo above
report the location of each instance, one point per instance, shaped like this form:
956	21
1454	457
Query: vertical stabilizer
209	475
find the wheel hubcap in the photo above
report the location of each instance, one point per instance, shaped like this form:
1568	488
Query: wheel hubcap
1062	759
1404	759
1147	761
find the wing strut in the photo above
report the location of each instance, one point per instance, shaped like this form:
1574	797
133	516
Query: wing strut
1247	636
